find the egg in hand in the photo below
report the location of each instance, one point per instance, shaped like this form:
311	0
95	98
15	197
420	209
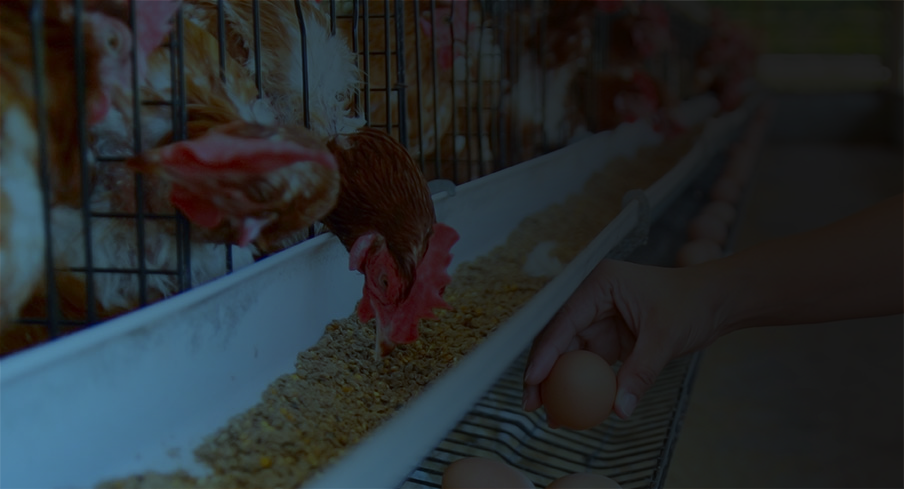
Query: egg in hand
579	391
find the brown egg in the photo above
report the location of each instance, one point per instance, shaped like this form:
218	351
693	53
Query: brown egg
579	391
584	481
723	210
726	189
484	473
698	251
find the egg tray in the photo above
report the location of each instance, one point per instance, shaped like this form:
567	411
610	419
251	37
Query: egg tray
633	452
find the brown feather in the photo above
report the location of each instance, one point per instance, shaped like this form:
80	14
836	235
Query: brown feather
381	190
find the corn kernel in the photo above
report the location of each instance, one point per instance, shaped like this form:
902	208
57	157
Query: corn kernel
265	461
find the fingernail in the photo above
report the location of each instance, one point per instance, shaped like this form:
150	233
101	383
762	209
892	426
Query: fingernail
626	402
528	373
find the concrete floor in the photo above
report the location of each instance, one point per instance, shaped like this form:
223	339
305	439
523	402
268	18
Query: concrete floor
802	406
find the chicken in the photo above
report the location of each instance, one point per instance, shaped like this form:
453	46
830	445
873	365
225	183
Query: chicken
553	43
477	76
210	101
626	95
106	43
385	219
546	105
435	43
727	63
331	75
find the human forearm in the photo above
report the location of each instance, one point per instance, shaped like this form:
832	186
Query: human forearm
852	268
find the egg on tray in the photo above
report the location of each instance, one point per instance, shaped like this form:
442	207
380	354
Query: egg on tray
483	473
586	480
579	391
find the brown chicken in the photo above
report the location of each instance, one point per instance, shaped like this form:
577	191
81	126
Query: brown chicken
553	43
385	218
246	183
332	76
465	149
626	95
554	81
106	42
107	45
727	63
435	42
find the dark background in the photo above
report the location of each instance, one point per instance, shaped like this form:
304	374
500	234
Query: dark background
814	405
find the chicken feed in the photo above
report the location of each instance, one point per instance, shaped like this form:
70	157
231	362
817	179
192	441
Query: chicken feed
339	393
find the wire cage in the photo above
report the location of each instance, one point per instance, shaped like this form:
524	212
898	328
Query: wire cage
469	87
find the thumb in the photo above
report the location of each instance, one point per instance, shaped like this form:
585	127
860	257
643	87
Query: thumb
638	374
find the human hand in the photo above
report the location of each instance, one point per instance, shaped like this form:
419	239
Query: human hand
642	315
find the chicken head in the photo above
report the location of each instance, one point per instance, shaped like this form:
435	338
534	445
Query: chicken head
398	311
111	44
245	182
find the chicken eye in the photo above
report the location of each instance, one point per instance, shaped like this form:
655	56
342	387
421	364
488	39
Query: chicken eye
384	282
113	42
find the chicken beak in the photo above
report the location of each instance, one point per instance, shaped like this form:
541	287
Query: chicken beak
383	345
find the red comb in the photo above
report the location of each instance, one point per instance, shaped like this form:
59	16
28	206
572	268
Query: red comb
358	252
153	22
426	293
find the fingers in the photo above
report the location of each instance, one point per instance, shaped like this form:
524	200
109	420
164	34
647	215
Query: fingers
531	397
582	309
542	358
638	373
